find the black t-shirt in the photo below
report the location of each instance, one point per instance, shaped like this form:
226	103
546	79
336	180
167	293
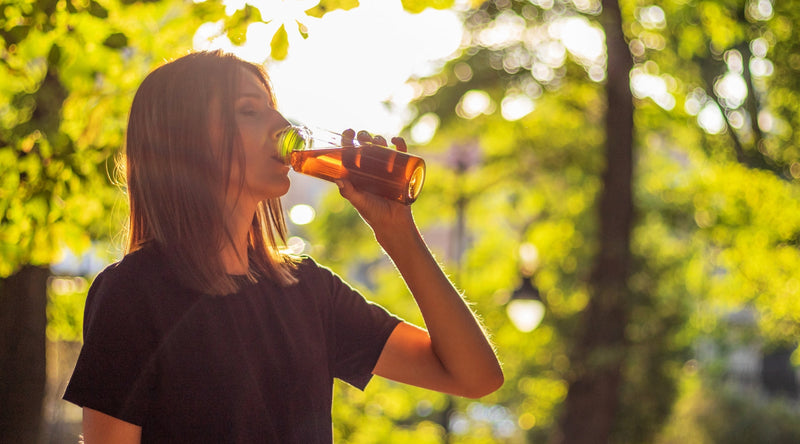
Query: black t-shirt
254	367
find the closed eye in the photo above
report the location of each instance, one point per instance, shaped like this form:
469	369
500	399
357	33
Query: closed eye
250	105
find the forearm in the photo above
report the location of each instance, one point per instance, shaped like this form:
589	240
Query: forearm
454	354
99	427
457	339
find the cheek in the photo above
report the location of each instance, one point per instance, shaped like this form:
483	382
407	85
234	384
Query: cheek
253	137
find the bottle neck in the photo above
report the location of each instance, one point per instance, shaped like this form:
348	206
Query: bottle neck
293	138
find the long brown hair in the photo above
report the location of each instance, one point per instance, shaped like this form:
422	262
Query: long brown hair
175	174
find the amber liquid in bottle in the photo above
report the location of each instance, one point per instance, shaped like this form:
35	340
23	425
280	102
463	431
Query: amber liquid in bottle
383	171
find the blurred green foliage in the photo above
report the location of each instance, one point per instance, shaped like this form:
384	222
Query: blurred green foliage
66	298
717	192
68	71
717	200
708	411
65	86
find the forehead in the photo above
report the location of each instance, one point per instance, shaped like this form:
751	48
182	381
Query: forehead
248	86
251	84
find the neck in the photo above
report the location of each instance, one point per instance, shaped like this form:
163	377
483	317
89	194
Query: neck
235	260
234	253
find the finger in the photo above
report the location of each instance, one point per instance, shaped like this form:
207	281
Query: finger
379	140
400	143
364	137
347	137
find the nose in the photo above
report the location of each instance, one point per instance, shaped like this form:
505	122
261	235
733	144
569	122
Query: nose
279	123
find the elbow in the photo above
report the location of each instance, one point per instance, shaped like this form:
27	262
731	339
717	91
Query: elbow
485	386
493	383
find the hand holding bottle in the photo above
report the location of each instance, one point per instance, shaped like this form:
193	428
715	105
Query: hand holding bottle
363	160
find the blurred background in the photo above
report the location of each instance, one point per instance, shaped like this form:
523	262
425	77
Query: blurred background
614	185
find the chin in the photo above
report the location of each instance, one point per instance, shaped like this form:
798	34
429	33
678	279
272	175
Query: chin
278	190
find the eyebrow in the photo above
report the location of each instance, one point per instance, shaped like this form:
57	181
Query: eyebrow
251	96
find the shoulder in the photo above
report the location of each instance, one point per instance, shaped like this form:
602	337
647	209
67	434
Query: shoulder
121	289
310	272
133	266
307	264
323	282
129	274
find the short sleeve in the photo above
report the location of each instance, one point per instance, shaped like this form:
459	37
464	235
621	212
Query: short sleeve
360	331
111	374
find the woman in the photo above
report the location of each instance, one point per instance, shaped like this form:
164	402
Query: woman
205	331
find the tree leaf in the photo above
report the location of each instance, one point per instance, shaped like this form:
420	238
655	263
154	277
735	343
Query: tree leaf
326	6
417	6
116	40
15	34
54	55
302	29
236	25
97	10
46	6
279	46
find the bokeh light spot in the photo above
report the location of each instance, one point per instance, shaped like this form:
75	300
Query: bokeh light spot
302	214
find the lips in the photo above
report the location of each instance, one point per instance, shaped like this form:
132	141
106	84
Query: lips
283	164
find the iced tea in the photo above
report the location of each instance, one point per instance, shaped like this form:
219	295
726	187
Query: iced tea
383	171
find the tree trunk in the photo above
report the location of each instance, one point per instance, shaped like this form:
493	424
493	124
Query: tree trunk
598	353
23	319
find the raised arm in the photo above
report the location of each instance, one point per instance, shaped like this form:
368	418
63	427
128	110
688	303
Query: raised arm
101	428
453	355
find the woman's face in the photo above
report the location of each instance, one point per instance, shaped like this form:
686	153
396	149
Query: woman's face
259	125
